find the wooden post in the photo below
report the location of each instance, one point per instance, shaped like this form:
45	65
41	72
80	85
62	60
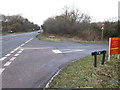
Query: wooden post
109	49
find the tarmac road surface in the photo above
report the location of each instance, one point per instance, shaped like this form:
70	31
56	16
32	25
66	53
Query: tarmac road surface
29	63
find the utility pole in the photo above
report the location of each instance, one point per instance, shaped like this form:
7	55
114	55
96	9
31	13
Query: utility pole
102	28
6	21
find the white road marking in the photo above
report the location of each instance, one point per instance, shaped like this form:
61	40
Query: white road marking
16	54
21	49
67	50
3	58
13	58
26	42
72	51
38	48
7	55
47	85
56	51
16	48
29	40
22	44
7	63
1	70
20	52
12	52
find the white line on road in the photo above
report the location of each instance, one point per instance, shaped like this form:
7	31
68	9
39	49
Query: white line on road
67	51
1	70
16	48
22	44
47	85
7	55
21	49
29	40
12	52
13	58
38	48
72	51
3	58
26	42
20	52
7	63
16	54
56	51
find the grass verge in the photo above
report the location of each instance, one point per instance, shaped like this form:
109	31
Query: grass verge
83	41
62	38
81	74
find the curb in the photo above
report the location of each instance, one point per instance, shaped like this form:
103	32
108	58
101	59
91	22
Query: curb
47	85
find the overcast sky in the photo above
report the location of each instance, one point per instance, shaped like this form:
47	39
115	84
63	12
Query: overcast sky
39	10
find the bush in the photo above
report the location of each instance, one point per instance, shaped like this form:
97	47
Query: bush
17	23
73	23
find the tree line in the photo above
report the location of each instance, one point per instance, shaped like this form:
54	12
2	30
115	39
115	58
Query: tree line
17	23
73	23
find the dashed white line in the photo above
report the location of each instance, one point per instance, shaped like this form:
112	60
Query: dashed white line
7	63
1	70
17	48
3	58
20	52
13	58
7	55
22	45
26	42
16	54
29	40
21	49
12	52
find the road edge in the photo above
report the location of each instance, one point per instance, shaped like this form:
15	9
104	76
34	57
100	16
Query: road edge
47	85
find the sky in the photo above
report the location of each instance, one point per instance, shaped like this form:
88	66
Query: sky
38	11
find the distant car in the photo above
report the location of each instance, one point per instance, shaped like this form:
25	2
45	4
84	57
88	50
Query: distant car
40	31
10	31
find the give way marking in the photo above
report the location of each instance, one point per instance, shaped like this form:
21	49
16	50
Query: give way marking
67	50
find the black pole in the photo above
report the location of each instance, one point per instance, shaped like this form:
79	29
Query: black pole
95	60
103	58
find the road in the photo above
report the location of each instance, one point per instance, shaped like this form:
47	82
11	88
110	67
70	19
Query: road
10	42
29	63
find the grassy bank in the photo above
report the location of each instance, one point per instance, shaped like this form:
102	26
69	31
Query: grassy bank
82	74
83	41
63	38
